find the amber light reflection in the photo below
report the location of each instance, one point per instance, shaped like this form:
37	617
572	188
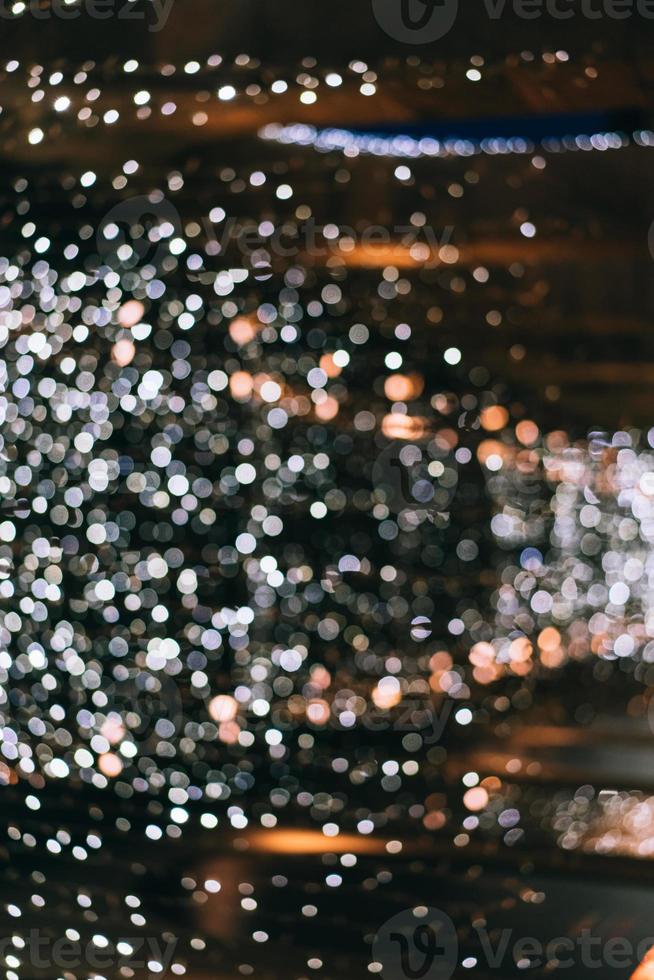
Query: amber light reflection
313	842
646	969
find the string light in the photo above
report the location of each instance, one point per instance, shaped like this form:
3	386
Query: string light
352	143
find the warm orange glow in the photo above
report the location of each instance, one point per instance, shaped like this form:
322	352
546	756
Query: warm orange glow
527	432
520	650
403	387
321	676
131	313
445	403
387	694
527	461
110	764
553	658
482	654
327	409
449	254
329	366
223	708
7	775
497	252
228	732
557	440
441	660
440	664
377	256
491	447
123	352
434	820
447	439
549	644
475	799
494	418
488	674
549	638
313	842
113	730
240	385
396	426
242	330
318	712
646	969
296	704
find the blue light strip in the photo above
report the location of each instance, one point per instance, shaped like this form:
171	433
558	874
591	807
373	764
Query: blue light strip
409	147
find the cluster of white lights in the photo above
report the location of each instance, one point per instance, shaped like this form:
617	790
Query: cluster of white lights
591	587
